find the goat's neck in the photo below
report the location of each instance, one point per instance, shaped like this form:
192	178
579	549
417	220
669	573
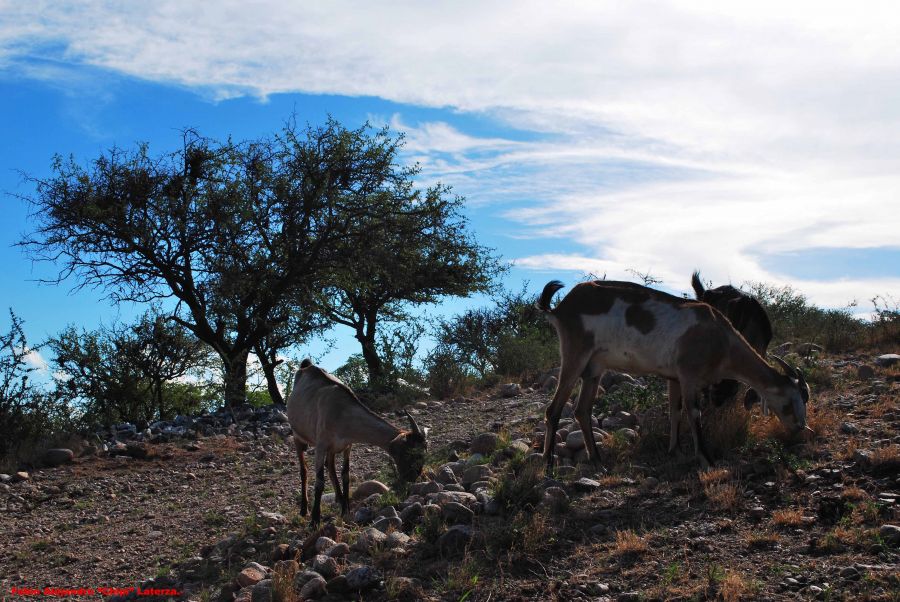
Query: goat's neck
369	428
745	365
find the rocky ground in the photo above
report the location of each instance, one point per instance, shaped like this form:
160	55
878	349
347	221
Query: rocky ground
208	507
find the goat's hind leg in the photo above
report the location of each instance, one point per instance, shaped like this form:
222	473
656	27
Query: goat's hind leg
590	385
304	501
345	475
674	414
691	399
568	374
321	456
332	472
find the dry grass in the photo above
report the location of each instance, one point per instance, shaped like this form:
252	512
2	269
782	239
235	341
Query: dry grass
725	428
720	489
762	540
734	588
283	581
886	459
629	543
824	418
789	517
854	494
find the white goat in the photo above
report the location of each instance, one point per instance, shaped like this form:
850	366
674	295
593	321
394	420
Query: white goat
326	413
624	326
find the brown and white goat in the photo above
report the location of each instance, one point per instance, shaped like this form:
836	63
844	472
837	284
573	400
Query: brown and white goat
327	414
624	326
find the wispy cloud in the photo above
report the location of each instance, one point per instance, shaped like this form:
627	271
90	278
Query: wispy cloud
672	137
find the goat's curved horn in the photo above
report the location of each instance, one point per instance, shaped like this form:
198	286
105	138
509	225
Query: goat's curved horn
788	369
412	422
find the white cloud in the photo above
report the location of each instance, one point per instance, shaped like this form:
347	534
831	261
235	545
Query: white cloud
34	359
675	137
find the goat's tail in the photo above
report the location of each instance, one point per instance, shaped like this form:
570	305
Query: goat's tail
698	285
543	302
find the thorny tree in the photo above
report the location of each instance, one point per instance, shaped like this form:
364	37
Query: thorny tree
240	234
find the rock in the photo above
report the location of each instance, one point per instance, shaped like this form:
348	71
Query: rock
314	588
890	534
411	514
865	372
454	541
362	578
456	513
363	515
339	550
301	579
485	443
611	378
57	456
549	384
782	349
575	440
5	478
479	472
338	585
509	390
556	499
262	591
888	359
281	552
252	574
630	435
585	484
441	498
425	488
649	484
387	523
20	476
368	539
445	476
326	566
757	512
273	518
519	446
323	544
849	428
807	349
137	450
397	539
849	573
367	488
862	457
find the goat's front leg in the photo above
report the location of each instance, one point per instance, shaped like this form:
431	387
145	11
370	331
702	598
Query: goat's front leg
691	399
345	474
304	502
590	385
674	414
321	456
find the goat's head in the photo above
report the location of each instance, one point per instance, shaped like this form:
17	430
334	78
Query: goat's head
788	397
408	451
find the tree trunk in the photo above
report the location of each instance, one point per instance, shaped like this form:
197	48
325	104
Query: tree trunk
373	361
235	378
268	367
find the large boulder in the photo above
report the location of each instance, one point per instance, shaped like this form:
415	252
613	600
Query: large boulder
454	541
485	443
367	488
57	456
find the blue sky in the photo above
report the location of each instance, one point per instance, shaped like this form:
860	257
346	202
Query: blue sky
602	139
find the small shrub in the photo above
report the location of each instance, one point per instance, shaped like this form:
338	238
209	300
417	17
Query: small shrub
762	540
518	486
734	588
788	517
629	543
886	460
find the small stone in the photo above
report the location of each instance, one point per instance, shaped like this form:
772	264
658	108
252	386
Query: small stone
252	574
386	523
455	539
339	550
411	513
862	457
865	372
455	512
556	499
281	552
362	578
585	484
324	544
890	534
485	443
363	515
425	488
262	591
630	434
397	539
314	588
649	484
57	456
849	428
549	384
757	513
479	472
849	573
325	565
367	488
20	476
888	359
509	390
445	476
338	585
273	518
368	539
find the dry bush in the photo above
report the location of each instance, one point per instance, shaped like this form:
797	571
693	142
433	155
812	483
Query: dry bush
283	581
790	517
609	481
854	494
824	419
720	489
886	459
725	428
629	543
762	540
734	588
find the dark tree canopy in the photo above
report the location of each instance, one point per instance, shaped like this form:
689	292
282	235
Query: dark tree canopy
423	254
242	235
